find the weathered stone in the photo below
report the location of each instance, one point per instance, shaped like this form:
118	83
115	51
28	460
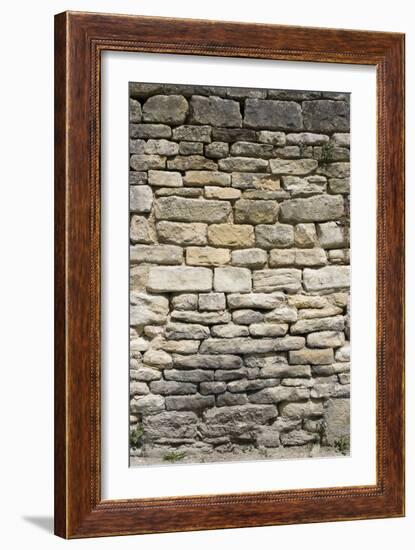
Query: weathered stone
313	313
135	110
141	198
182	233
228	399
282	314
297	437
341	140
164	254
138	178
185	302
250	345
247	149
157	358
305	409
161	178
298	382
177	346
307	138
229	331
305	235
212	388
137	146
341	256
273	138
207	256
268	329
227	234
335	170
191	210
230	135
164	387
181	424
201	317
152	331
170	109
331	235
326	278
191	162
139	277
229	375
190	148
311	356
221	193
246	316
255	212
344	378
217	150
277	394
316	325
247	180
242	164
186	192
192	133
301	301
215	111
186	331
141	231
147	162
232	279
181	375
258	300
293	152
280	370
148	309
343	353
271	114
206	177
337	416
253	258
313	209
297	257
305	187
201	361
137	345
146	374
270	280
149	131
339	185
239	386
190	402
214	301
270	236
326	116
301	167
147	404
247	413
161	147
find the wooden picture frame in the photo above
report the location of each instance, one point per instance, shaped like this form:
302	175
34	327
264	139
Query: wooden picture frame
79	40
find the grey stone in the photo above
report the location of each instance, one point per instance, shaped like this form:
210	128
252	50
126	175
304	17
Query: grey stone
305	326
250	345
192	133
327	311
280	370
232	279
297	437
214	301
270	114
336	170
304	409
186	331
205	361
311	356
307	138
255	212
248	149
196	375
177	346
343	353
191	162
282	314
268	329
301	167
190	402
331	235
270	280
339	185
215	111
200	178
227	234
222	193
164	387
164	254
191	210
138	388
270	236
268	436
242	164
297	257
201	317
185	302
137	146
138	178
139	277
146	374
301	301
326	116
253	258
190	148
148	309
294	95
182	233
147	404
207	256
157	358
228	399
135	110
229	135
255	300
246	316
161	147
229	331
239	386
259	414
277	394
337	416
212	388
147	162
314	209
304	187
170	109
326	278
181	424
164	179
229	375
305	235
217	150
255	181
273	138
341	140
141	198
186	192
149	131
141	231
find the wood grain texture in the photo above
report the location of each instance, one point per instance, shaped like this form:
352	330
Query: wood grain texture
79	40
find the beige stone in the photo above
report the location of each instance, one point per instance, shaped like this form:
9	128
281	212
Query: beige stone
207	256
227	234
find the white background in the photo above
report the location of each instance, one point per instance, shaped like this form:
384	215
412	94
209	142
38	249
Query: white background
119	481
26	122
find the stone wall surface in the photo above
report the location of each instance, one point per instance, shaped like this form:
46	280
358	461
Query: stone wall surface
239	272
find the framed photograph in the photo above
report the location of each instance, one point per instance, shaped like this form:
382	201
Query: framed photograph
229	333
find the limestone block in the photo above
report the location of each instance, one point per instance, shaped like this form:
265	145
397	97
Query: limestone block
207	256
226	234
182	233
324	115
179	279
192	210
160	178
255	212
232	279
271	114
141	198
169	109
270	280
314	209
326	278
215	111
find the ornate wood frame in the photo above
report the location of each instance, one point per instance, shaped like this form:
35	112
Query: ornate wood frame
79	40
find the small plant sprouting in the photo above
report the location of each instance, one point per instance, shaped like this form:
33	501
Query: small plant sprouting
342	445
322	432
135	437
327	153
174	456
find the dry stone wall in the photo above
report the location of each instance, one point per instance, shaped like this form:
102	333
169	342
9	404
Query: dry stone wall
239	271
